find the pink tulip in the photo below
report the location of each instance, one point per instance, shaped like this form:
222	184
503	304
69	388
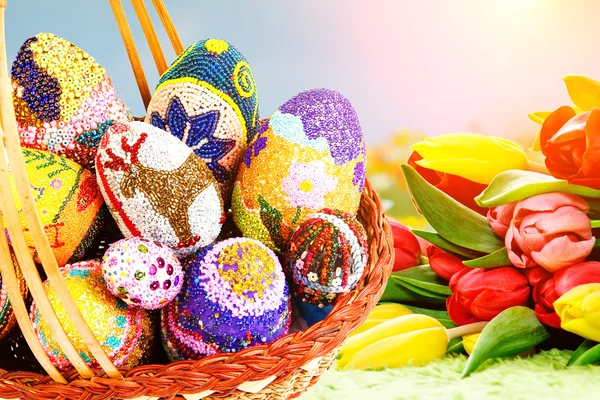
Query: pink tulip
499	218
550	230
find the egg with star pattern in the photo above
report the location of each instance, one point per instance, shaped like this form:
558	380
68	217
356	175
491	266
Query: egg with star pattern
208	100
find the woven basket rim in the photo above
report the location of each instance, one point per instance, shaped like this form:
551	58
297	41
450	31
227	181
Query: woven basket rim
224	373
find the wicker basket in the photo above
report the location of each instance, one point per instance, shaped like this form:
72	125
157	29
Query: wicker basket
284	369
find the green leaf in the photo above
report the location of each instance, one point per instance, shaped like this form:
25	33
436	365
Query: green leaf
421	290
442	244
440	289
398	292
440	315
455	346
496	259
271	218
587	353
445	215
510	186
595	224
510	333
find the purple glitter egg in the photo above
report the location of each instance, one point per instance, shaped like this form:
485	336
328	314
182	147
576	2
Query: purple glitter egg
234	296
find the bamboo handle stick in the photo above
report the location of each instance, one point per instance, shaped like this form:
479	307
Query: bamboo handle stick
167	22
150	33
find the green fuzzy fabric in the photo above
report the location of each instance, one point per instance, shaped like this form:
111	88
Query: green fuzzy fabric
542	376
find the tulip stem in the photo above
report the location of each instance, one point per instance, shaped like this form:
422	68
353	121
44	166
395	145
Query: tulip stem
475	327
537	167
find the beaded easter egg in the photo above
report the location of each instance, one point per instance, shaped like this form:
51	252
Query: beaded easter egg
327	257
309	155
63	100
234	296
157	188
7	318
68	201
208	99
125	333
142	273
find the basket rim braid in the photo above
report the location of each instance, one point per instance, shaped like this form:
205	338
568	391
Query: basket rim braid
282	369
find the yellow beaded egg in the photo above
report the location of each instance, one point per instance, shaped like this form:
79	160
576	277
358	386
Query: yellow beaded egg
125	333
309	155
68	201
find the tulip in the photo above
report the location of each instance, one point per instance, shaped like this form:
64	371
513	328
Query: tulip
444	264
536	274
469	342
571	144
579	311
379	314
499	218
460	189
406	247
548	290
481	294
550	230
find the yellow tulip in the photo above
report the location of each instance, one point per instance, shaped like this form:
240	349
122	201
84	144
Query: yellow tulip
579	311
379	314
475	157
469	342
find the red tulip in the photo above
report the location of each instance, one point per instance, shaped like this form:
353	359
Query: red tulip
444	264
460	189
571	144
481	294
536	274
548	290
550	230
406	246
499	218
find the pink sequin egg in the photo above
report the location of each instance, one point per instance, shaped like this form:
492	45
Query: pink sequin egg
142	273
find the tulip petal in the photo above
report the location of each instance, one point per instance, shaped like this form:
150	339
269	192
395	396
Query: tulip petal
591	158
565	219
503	279
459	313
549	202
516	256
576	275
583	91
539	116
591	309
569	308
553	123
562	252
490	302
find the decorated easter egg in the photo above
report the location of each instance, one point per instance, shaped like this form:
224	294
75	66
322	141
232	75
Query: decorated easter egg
141	272
327	257
68	201
309	155
7	317
124	333
64	101
157	188
208	99
234	296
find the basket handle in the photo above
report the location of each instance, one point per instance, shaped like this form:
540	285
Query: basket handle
11	144
151	38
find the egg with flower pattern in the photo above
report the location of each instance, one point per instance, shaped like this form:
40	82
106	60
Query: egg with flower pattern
158	189
64	101
208	100
309	155
68	201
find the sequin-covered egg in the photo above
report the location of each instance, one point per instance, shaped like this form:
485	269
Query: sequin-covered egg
7	317
208	99
125	333
234	296
157	188
64	101
68	202
309	155
141	272
327	257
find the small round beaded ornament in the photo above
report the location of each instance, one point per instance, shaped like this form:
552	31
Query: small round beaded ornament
235	295
64	101
125	333
157	188
142	273
327	257
208	99
309	155
68	201
7	318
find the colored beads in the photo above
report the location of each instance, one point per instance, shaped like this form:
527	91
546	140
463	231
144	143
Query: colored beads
142	273
327	257
158	189
63	100
234	296
124	333
208	100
